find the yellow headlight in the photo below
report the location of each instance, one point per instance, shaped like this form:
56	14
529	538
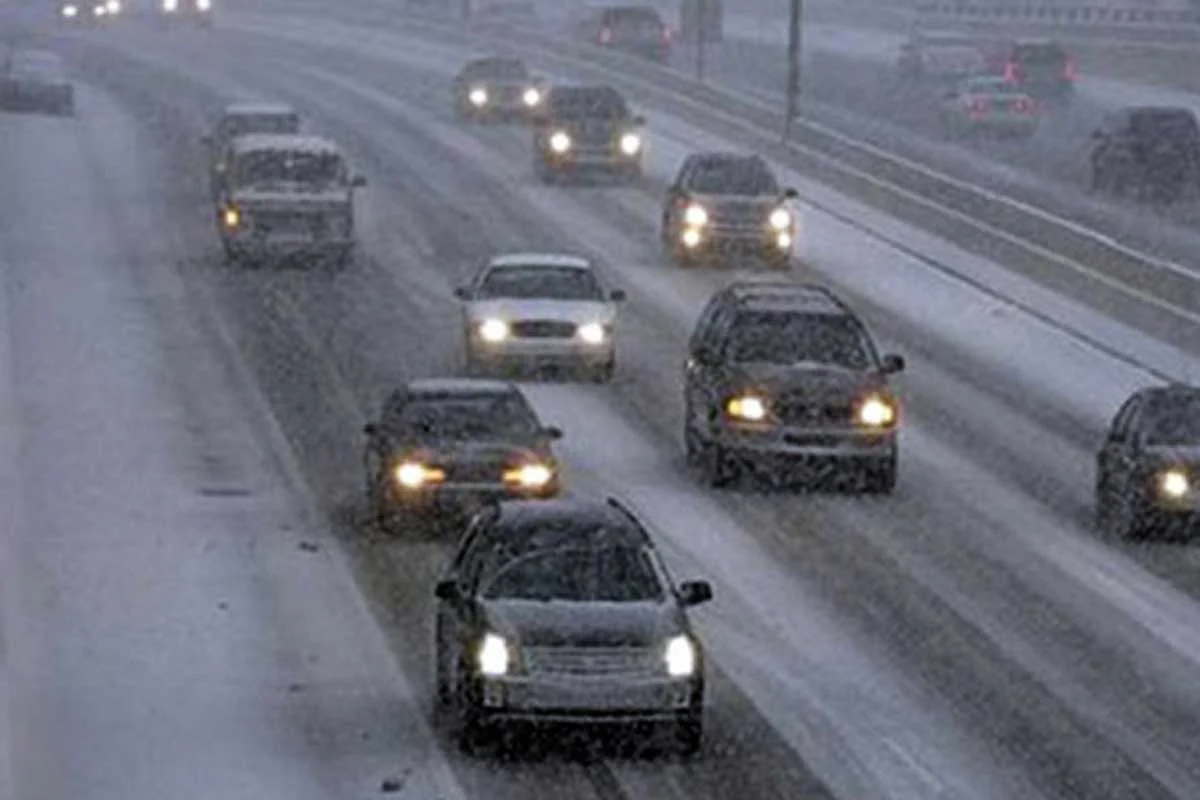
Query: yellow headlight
876	412
231	217
631	143
780	219
749	408
493	330
170	5
69	11
113	6
529	476
783	240
1174	483
696	216
493	656
690	237
478	96
560	142
414	475
532	97
592	333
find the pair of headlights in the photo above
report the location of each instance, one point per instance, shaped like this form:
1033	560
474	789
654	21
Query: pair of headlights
696	216
478	97
495	656
418	475
630	144
106	9
495	331
171	6
875	411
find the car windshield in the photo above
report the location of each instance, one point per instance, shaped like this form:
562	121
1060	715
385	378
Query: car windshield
485	416
991	86
500	69
275	166
587	104
578	575
1174	423
790	338
637	20
242	124
740	176
540	283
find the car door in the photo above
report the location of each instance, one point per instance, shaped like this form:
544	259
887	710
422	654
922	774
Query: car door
1115	462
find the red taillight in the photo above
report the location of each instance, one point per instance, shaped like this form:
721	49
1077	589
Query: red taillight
1070	71
605	36
666	35
1023	105
1010	72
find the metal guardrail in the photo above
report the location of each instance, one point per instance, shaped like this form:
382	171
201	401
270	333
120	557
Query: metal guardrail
1062	15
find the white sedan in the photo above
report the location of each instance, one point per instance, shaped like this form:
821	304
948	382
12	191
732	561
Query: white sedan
531	309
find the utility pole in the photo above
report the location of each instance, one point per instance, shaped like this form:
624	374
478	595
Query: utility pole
701	38
793	73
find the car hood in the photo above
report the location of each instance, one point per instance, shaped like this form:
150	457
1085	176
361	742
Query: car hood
1174	454
578	311
810	378
560	624
291	196
763	202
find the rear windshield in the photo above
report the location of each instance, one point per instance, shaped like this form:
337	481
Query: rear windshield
637	19
1169	125
1040	54
991	86
587	103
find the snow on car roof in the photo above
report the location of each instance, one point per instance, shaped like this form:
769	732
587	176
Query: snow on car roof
443	386
549	260
296	143
250	109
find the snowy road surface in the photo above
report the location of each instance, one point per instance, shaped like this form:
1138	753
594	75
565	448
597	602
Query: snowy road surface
968	637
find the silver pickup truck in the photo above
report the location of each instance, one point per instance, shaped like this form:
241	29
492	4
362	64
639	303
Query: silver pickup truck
287	196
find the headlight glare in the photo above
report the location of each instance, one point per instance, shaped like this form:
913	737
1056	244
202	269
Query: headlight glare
529	476
560	142
493	330
592	333
231	217
695	215
631	143
70	11
780	219
478	96
876	412
1174	483
414	475
532	97
493	656
170	5
748	408
203	5
680	657
690	237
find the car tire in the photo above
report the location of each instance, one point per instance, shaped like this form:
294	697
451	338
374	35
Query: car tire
1130	519
602	373
879	475
716	466
688	734
471	735
777	261
443	693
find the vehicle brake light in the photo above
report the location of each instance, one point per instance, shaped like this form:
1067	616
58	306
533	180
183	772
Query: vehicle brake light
605	35
1010	72
666	35
1023	106
1070	71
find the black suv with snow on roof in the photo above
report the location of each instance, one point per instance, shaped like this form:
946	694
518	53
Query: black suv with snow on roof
786	376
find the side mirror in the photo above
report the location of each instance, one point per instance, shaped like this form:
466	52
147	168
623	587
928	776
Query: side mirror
446	590
790	193
694	593
358	181
617	295
461	293
552	432
892	364
639	120
371	429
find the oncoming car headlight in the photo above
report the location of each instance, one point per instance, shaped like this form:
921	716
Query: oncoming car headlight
494	657
478	96
529	476
876	412
414	475
1174	484
630	144
203	5
591	333
680	657
493	330
531	97
748	408
695	215
170	5
780	219
70	12
560	142
231	218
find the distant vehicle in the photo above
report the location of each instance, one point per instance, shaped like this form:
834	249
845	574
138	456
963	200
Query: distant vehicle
196	12
940	57
988	105
497	88
240	119
89	12
287	196
702	19
450	446
638	30
564	611
1148	469
728	204
518	13
1153	151
785	377
1042	68
534	308
586	128
35	80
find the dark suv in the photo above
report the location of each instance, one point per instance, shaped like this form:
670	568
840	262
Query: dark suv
582	128
786	376
728	203
1152	151
639	30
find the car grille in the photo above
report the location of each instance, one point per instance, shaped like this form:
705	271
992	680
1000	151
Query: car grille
475	472
807	412
289	222
543	329
590	661
741	214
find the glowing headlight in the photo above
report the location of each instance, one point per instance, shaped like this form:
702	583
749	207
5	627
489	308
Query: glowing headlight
749	408
493	330
70	11
680	656
231	217
531	97
478	96
690	237
876	412
631	143
493	656
592	333
170	5
783	240
1174	483
529	476
780	219
696	216
414	475
560	142
99	11
203	5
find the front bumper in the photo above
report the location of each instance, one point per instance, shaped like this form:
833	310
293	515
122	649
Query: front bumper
521	698
462	498
794	443
584	159
736	241
547	352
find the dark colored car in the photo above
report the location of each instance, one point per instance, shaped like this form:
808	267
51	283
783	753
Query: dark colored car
1150	151
88	12
1041	68
586	128
451	445
563	612
639	30
1148	469
728	204
497	88
242	119
35	80
786	376
195	12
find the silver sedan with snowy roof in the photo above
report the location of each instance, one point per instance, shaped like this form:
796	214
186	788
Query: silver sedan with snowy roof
540	309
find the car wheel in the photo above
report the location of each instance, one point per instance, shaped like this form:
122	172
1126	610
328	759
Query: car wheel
444	689
472	736
879	475
718	469
1130	518
688	734
602	373
778	261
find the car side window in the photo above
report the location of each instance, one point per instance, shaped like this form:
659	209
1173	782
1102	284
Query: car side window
1123	423
703	325
718	331
683	181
